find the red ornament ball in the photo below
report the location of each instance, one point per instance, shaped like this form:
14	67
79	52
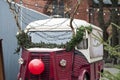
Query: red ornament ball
36	66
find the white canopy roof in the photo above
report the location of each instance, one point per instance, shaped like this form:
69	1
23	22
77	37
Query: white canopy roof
56	24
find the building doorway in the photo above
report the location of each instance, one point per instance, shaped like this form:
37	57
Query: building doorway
1	62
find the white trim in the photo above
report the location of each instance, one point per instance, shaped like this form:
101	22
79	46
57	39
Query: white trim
86	53
44	49
96	59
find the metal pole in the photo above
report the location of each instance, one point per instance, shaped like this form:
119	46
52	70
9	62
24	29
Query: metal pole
21	3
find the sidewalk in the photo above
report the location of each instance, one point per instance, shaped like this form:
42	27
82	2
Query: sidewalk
110	67
112	70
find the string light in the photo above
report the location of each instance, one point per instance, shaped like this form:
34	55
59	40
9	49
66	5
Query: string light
91	14
78	13
118	14
103	13
98	10
87	10
36	5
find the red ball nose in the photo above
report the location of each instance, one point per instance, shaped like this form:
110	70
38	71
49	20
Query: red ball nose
36	66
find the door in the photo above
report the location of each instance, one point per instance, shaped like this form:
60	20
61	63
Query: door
1	63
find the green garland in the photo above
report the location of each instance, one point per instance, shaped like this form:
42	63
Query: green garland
78	37
24	40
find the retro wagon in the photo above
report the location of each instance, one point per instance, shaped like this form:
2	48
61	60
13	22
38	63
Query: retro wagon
48	59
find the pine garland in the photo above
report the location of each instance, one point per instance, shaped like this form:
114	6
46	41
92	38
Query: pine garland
78	37
24	40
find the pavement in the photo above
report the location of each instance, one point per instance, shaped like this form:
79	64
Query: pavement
112	70
110	67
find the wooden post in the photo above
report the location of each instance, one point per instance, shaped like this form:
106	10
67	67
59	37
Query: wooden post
2	77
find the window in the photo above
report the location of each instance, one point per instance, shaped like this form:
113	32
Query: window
58	8
55	37
83	44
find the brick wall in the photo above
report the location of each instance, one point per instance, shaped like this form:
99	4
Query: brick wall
40	5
